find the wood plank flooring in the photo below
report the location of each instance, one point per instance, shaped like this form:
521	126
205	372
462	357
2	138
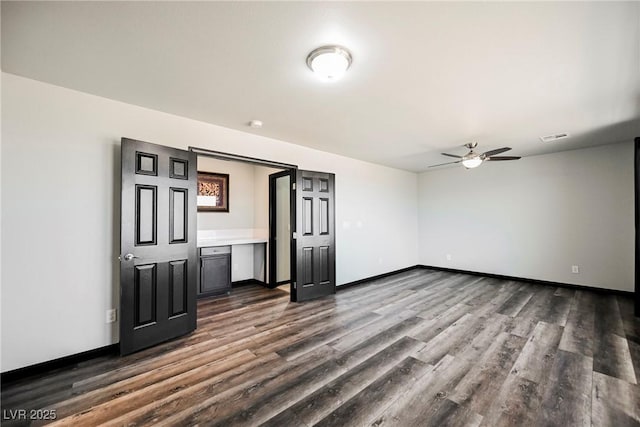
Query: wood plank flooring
420	348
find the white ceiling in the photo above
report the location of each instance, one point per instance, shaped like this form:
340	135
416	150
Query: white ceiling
426	77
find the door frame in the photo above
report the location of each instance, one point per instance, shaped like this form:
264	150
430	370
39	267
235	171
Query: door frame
636	186
273	211
237	157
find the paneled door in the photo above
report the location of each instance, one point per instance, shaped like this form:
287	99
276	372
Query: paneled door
315	264
158	257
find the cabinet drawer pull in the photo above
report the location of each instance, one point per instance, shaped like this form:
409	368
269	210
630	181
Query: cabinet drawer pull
215	250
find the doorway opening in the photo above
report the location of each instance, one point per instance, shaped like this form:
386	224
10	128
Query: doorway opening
311	228
250	230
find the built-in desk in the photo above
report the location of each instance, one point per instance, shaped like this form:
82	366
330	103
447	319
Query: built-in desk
210	242
228	256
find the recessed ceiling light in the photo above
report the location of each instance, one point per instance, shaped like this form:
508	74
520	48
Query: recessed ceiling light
554	137
329	62
256	124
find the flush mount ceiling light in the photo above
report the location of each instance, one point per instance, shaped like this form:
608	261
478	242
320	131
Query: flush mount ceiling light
329	62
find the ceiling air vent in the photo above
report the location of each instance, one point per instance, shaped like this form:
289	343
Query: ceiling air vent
555	137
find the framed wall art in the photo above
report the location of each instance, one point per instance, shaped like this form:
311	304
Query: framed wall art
213	192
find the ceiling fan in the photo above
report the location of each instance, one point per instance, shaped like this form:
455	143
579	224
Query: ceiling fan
473	160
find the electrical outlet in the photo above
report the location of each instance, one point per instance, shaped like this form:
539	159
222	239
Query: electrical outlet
575	269
448	257
111	315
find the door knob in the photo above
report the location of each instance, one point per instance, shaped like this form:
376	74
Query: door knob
127	257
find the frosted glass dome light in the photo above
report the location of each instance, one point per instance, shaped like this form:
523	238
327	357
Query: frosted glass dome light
329	62
471	160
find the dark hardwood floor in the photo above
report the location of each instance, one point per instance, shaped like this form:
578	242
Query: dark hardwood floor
421	348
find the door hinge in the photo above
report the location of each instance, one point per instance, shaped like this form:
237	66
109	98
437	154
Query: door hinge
295	285
293	186
295	235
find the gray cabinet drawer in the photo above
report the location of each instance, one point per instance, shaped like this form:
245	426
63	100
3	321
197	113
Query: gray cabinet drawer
215	250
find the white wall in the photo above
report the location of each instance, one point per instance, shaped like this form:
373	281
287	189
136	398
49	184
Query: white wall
535	218
248	195
248	209
261	219
241	197
261	196
60	211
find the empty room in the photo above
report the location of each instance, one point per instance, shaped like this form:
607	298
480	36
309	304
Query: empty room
320	213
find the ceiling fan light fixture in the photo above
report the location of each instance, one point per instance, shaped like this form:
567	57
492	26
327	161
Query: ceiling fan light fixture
329	62
471	161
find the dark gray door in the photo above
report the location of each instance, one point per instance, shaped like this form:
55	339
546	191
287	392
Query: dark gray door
315	264
158	257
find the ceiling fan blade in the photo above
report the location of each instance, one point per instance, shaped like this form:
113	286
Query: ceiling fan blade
503	158
442	164
496	151
451	155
